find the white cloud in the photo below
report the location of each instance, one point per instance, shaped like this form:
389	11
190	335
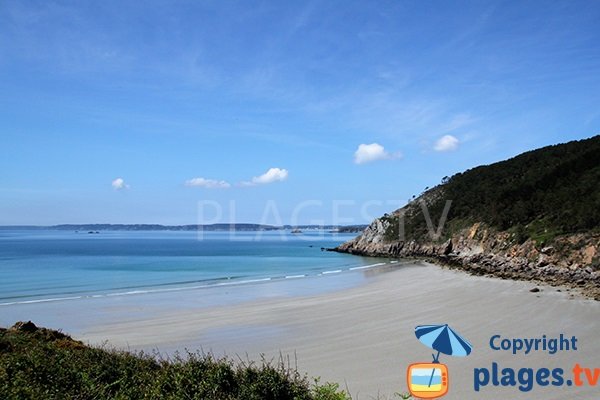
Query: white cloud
207	183
373	152
272	175
119	184
446	143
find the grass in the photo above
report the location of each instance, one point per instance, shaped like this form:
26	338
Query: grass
39	363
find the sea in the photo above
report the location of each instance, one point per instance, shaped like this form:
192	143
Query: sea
42	266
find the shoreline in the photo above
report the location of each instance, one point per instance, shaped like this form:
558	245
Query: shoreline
362	337
206	284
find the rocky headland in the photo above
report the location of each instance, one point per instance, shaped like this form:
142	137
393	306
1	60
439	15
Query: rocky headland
533	217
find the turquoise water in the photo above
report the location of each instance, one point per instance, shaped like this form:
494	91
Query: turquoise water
44	266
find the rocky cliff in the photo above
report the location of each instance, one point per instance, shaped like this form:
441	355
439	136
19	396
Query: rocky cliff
571	260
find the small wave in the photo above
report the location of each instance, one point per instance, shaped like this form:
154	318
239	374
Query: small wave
41	300
135	292
367	266
335	271
243	282
295	276
131	292
122	290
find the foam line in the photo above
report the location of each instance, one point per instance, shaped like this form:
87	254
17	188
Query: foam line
367	266
41	300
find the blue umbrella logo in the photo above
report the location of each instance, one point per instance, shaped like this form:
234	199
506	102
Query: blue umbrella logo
442	339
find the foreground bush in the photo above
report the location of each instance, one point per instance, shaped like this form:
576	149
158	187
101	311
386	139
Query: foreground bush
38	363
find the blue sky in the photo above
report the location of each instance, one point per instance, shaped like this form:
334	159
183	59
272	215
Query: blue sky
146	112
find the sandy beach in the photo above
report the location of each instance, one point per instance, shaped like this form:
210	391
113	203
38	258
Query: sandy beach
363	336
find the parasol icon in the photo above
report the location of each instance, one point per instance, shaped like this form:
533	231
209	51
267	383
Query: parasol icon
444	340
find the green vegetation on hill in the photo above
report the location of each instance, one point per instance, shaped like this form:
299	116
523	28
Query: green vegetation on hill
539	194
38	363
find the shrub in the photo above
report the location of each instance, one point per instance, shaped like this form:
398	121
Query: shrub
38	363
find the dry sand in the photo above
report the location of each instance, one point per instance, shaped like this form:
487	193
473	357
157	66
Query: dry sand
363	337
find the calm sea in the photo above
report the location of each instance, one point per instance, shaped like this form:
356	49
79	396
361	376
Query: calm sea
40	266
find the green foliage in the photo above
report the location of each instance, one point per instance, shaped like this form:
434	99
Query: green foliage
542	231
539	194
44	364
329	391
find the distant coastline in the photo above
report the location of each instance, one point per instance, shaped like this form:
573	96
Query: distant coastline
193	227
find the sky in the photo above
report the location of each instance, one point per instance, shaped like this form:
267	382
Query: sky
277	112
